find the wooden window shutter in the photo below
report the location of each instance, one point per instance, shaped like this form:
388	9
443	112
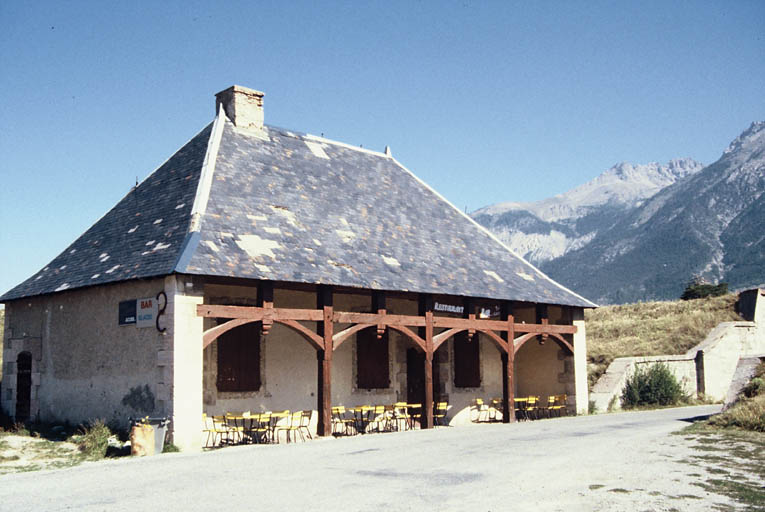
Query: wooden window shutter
467	361
239	359
372	365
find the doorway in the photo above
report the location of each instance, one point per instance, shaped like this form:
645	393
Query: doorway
415	377
23	386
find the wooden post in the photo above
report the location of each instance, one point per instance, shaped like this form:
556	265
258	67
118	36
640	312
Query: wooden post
324	359
265	299
508	360
542	318
427	406
378	306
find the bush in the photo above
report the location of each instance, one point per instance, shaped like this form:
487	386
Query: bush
755	387
652	386
93	439
697	290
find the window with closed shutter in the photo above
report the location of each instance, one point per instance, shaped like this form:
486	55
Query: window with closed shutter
372	370
467	361
239	359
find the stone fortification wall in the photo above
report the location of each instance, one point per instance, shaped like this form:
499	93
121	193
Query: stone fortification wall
707	369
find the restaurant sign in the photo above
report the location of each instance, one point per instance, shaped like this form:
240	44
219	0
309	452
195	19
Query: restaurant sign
448	308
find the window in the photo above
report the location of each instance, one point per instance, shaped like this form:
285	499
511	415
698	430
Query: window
467	362
372	370
239	359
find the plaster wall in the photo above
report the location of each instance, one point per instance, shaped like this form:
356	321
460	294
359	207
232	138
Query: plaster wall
84	365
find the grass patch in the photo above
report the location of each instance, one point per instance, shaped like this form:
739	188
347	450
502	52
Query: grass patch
750	494
93	440
595	487
651	328
619	490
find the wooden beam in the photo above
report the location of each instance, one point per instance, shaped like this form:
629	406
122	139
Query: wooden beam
266	301
378	306
324	329
346	333
259	313
427	406
373	318
316	340
508	359
213	333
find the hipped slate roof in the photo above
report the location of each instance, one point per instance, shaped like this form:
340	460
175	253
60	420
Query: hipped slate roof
293	207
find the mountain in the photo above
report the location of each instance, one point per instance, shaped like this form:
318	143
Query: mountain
545	230
706	222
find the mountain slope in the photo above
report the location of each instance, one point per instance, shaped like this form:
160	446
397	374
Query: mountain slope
547	229
711	223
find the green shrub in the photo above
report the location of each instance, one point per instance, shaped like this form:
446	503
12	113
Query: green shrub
755	387
698	290
652	386
93	439
170	448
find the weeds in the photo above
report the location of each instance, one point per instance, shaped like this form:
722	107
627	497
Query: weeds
93	439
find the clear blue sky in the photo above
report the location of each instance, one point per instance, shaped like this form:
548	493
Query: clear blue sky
485	101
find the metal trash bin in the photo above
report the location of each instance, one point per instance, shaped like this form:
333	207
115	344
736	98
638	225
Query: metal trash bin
160	430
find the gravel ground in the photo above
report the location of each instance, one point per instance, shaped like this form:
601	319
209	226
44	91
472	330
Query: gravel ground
613	462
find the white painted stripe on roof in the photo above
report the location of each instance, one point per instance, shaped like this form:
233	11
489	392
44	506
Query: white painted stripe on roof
491	235
208	169
344	145
316	149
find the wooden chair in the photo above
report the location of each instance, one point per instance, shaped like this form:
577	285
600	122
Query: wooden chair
495	409
439	414
341	423
259	427
217	430
401	416
236	431
532	407
298	423
415	414
481	410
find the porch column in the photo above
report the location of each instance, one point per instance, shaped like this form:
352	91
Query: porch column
580	362
185	408
508	363
425	307
324	358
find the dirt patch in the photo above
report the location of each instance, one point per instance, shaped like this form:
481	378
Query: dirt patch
25	453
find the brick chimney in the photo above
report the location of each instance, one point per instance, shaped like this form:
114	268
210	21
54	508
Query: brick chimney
243	106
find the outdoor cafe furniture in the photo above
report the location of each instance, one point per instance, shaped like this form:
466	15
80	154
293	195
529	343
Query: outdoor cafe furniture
439	413
299	422
343	421
480	409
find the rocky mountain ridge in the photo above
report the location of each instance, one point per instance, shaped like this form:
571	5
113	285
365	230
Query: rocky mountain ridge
641	232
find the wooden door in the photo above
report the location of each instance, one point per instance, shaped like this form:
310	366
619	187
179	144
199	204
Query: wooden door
23	386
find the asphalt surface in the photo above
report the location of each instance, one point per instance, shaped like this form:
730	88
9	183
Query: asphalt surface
560	464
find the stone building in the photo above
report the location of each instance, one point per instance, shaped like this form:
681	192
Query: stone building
260	268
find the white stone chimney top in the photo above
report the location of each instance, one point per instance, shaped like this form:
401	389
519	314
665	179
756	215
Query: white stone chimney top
243	106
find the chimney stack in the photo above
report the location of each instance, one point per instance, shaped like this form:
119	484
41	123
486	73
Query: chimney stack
243	106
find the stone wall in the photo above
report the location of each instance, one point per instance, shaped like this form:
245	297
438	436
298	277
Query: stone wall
707	369
84	365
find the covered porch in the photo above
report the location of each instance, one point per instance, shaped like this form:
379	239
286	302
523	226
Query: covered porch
420	330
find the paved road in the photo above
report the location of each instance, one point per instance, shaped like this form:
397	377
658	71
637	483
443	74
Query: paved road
554	464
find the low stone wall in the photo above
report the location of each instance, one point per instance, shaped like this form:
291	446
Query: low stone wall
705	370
607	391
